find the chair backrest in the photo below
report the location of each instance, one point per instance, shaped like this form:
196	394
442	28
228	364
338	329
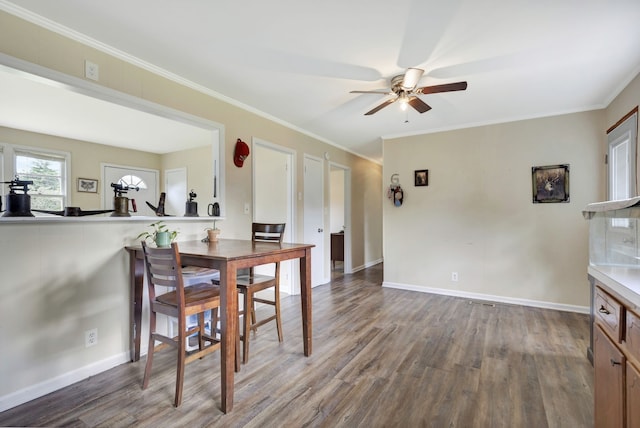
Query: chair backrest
267	232
163	269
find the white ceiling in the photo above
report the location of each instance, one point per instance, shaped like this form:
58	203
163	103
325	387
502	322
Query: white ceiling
295	61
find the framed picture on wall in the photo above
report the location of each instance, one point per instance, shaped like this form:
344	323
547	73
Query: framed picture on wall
550	183
88	185
421	177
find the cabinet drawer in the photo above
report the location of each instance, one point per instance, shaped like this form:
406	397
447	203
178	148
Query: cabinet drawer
632	336
608	313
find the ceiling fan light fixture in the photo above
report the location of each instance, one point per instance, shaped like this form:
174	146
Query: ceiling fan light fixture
404	101
404	88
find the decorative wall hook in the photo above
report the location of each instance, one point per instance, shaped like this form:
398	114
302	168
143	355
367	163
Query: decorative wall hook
395	193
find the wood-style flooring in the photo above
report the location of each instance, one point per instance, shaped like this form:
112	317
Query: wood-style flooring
381	358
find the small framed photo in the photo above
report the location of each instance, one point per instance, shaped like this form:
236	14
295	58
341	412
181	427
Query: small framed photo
88	185
550	183
422	177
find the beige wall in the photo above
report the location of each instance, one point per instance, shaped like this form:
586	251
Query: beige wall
66	276
626	101
477	218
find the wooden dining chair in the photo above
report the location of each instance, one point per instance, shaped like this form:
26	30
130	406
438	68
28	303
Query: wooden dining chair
164	270
250	284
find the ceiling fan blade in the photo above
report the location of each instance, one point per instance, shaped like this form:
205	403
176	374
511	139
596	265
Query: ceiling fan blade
371	92
419	105
447	87
411	78
380	107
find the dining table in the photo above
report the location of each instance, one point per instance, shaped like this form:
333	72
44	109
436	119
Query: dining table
227	256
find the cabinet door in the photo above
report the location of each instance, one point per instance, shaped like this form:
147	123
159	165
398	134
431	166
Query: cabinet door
633	397
608	382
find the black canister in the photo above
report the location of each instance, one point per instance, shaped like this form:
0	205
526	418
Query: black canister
18	205
191	209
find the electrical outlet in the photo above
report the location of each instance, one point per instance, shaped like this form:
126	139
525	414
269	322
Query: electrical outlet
454	276
91	337
91	70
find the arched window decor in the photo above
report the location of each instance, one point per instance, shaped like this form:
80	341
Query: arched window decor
132	181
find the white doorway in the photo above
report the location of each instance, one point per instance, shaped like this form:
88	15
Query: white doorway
175	186
340	209
145	179
273	201
314	216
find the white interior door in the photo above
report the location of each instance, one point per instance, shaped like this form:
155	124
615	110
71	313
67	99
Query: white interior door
314	216
273	198
175	186
145	179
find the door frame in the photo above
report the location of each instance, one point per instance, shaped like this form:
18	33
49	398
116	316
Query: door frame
104	165
293	272
347	268
326	275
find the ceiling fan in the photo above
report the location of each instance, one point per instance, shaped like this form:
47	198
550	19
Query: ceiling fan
404	88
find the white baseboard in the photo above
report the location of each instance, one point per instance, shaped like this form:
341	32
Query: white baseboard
43	388
366	265
489	297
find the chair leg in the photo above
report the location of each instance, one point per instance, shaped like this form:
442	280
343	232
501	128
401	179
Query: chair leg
147	367
201	331
237	360
246	329
277	307
182	339
214	323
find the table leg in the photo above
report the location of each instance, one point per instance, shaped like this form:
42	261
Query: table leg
229	331
305	296
136	280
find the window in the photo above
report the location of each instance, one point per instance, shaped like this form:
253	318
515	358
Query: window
132	181
622	140
47	169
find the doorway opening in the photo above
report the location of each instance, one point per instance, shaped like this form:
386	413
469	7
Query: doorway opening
340	217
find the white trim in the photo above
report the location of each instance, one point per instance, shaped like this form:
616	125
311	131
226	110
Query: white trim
489	297
43	388
366	265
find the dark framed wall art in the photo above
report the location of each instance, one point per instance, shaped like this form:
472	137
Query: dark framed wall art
421	177
550	183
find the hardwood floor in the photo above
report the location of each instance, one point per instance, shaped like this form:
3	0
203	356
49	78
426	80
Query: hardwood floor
381	358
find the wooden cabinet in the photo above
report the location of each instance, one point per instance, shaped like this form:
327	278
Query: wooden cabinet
616	355
633	396
337	248
608	381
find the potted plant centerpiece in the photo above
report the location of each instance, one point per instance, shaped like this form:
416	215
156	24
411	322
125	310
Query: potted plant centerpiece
213	232
160	234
